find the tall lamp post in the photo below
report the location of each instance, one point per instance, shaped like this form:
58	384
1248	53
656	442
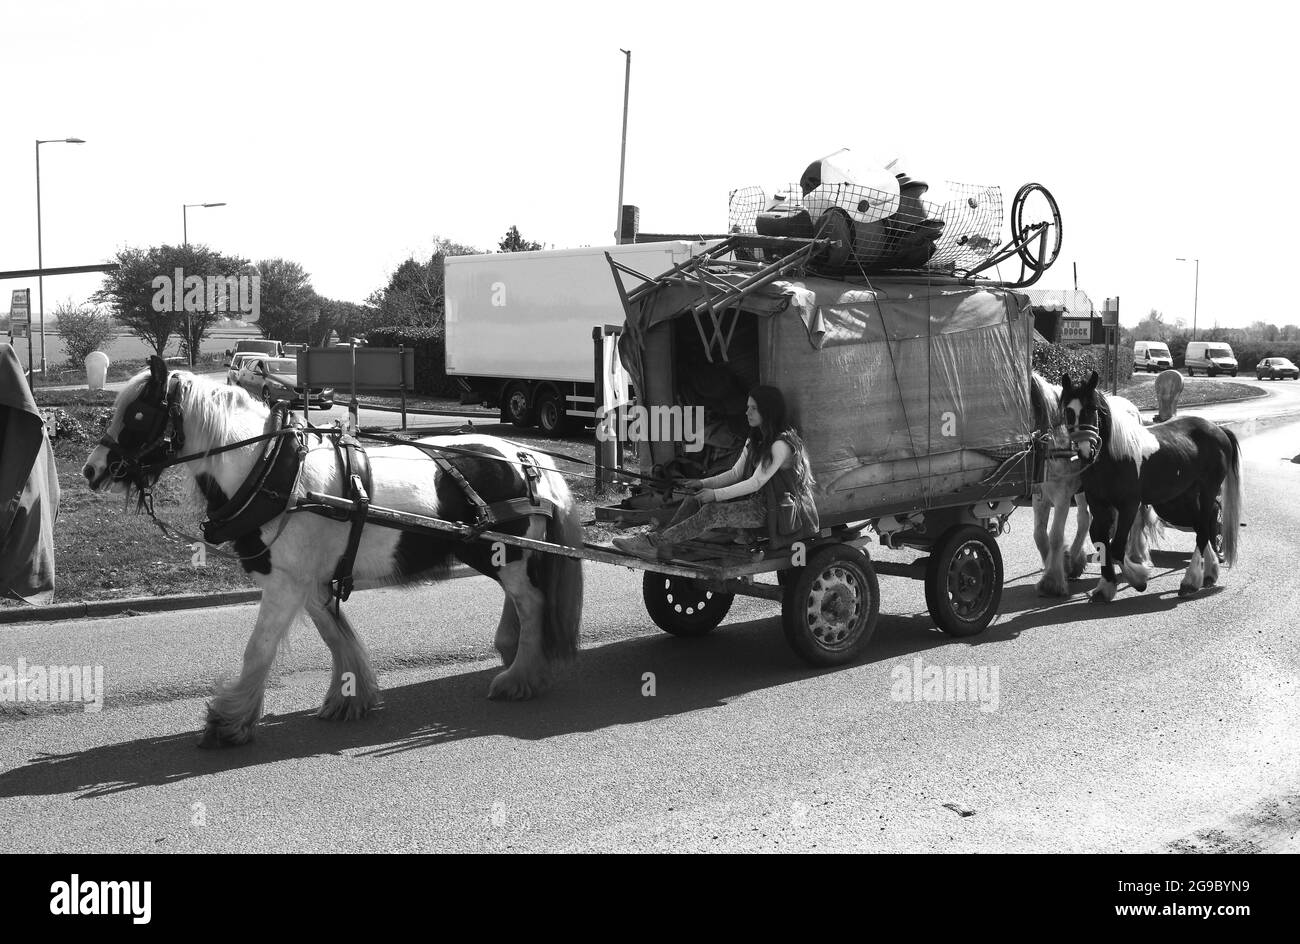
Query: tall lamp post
1196	291
185	222
40	258
185	241
622	154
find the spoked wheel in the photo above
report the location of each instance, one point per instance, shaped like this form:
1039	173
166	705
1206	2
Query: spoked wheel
830	606
1034	204
963	581
682	606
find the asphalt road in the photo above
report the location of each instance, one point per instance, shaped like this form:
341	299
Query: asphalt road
1149	724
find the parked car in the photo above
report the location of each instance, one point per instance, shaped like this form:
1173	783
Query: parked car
1210	358
1152	356
235	363
264	346
1276	368
276	378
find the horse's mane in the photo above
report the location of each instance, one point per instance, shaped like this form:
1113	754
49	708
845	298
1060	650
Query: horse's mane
1129	439
1045	398
218	413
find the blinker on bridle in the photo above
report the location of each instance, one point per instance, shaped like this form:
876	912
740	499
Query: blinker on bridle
158	426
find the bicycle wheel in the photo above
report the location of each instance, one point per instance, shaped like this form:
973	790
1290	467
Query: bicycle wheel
1034	204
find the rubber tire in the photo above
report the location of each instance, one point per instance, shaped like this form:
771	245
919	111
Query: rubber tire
937	574
663	595
515	409
549	411
798	594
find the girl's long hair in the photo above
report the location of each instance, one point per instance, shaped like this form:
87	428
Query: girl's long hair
774	424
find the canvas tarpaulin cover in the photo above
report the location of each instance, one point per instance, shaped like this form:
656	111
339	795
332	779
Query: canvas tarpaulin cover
29	490
904	392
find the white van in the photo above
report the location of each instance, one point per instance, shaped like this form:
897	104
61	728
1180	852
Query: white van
1210	358
1152	355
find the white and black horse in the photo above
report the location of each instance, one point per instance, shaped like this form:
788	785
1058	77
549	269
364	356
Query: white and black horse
1181	468
1061	489
294	556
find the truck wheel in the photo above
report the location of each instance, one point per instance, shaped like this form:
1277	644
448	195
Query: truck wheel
515	408
963	581
681	606
830	606
551	418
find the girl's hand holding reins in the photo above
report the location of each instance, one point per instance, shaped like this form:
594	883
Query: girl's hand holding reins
706	495
691	486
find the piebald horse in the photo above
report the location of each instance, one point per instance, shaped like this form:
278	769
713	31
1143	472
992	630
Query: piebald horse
1181	468
1060	489
293	556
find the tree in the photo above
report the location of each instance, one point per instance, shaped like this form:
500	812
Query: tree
349	319
84	329
145	299
1152	328
289	306
414	294
513	242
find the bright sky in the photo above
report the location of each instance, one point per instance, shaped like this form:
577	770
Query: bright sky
345	136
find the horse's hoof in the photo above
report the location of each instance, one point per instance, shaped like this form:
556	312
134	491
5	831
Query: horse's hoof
508	686
344	709
214	739
1048	588
1098	597
1139	586
1209	581
1186	591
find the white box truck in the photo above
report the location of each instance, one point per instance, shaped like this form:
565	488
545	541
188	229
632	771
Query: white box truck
519	325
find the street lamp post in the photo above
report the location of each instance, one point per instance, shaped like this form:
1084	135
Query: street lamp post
185	241
622	155
1196	292
185	223
40	257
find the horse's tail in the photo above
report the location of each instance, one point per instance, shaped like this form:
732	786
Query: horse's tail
1231	501
561	577
1147	530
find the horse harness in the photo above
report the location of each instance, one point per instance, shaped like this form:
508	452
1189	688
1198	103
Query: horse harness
268	490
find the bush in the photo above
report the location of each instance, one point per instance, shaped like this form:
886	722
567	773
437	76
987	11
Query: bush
1052	360
84	329
430	346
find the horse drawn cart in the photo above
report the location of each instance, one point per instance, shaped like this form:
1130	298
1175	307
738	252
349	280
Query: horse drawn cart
911	391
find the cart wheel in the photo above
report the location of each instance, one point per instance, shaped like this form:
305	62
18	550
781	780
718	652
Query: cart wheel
830	606
682	606
514	407
963	581
1033	204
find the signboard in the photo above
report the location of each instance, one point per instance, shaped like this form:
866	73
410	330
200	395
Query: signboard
19	329
1110	312
378	368
20	307
1076	330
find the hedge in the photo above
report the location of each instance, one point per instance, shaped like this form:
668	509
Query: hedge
1249	353
1052	360
430	346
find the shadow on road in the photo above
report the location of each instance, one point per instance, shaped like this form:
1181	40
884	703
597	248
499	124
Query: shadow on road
603	689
